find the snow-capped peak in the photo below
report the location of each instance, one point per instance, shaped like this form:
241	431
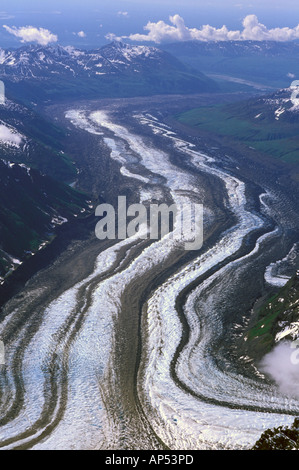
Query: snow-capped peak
39	62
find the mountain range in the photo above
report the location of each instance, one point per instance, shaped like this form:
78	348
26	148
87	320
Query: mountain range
246	64
117	69
234	48
115	58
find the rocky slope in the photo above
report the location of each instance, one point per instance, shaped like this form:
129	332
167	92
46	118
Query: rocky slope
32	206
276	320
35	197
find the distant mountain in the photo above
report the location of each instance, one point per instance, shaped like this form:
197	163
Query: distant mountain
114	70
234	48
115	58
268	63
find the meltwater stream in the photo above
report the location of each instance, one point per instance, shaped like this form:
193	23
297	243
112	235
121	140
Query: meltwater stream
65	365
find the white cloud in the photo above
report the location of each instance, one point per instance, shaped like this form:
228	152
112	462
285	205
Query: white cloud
281	367
9	137
123	13
31	34
178	31
81	34
112	37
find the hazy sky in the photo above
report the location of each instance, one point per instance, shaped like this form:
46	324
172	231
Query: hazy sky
87	23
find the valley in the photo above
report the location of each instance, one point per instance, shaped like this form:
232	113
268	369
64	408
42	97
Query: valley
134	343
141	343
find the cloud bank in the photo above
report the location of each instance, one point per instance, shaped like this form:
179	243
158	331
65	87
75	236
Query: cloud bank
31	34
8	136
177	31
282	365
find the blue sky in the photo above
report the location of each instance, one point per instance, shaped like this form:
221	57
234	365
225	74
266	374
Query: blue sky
94	19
